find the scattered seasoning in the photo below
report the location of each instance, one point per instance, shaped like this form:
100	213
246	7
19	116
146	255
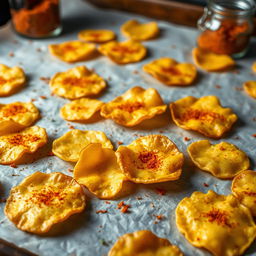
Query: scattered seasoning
15	175
150	159
107	202
187	139
32	100
101	211
206	185
160	191
45	79
11	54
202	115
43	97
135	72
139	198
70	126
159	217
123	207
13	110
217	86
13	165
120	143
131	106
254	135
22	140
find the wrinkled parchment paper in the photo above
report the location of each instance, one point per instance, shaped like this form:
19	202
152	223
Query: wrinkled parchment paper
89	233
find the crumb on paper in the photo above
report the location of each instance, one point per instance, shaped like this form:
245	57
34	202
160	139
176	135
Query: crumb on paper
45	79
101	211
206	185
187	139
160	191
13	165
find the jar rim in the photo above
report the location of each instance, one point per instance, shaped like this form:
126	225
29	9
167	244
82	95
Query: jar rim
232	8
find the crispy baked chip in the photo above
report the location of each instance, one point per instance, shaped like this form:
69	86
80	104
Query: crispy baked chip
76	83
69	146
97	35
42	200
223	160
244	188
81	109
150	159
72	51
143	243
13	146
16	116
134	106
98	170
123	52
250	88
170	72
211	61
204	115
11	79
215	222
138	31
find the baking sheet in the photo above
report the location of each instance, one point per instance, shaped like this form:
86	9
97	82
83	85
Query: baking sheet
90	233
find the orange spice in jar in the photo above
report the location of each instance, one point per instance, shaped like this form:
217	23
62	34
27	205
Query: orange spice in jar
226	27
36	18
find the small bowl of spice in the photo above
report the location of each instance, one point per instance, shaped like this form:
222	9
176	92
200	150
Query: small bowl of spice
226	27
36	18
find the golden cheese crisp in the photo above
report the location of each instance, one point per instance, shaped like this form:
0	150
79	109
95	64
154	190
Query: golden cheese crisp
13	146
204	115
72	51
140	31
143	243
69	146
123	52
210	61
42	200
98	170
223	160
134	106
11	79
96	35
16	116
250	88
150	159
244	188
81	109
170	72
215	222
76	83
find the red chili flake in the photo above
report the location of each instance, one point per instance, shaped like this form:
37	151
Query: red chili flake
120	205
131	106
159	217
187	139
45	79
206	185
139	198
218	86
43	97
50	153
70	170
203	115
70	126
254	135
135	72
107	202
32	100
13	165
125	208
120	143
150	159
11	54
160	191
101	211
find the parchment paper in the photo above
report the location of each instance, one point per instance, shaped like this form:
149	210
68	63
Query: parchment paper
90	233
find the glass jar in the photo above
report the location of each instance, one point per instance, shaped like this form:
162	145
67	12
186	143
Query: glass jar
36	18
226	27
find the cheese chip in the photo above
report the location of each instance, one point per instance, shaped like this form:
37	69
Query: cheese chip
138	31
244	188
81	109
96	35
123	52
98	170
42	200
76	83
204	115
210	61
72	51
13	146
143	243
150	159
69	146
223	160
215	222
250	88
17	116
170	72
11	79
134	106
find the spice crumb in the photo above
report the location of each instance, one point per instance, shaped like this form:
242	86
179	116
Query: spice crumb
159	217
217	86
45	79
70	170
15	175
107	202
13	165
206	185
160	191
120	143
32	100
135	72
101	211
11	54
43	97
139	198
123	207
254	135
187	139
